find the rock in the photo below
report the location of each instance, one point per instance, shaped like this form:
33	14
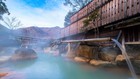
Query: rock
81	59
96	53
109	53
120	60
136	64
47	50
14	75
99	62
84	51
137	57
62	48
4	59
3	74
133	50
56	53
70	54
24	53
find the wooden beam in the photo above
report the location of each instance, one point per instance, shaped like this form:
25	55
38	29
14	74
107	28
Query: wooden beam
125	23
87	40
132	42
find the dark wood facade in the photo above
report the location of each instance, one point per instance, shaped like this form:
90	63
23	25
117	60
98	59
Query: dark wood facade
114	16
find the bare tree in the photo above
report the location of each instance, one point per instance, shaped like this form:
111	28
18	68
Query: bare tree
12	22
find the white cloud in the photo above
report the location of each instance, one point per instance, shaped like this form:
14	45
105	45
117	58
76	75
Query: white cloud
37	16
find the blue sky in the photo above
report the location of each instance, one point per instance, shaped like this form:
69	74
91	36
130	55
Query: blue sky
36	3
42	13
45	4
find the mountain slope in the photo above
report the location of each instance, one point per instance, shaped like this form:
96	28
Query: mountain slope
39	32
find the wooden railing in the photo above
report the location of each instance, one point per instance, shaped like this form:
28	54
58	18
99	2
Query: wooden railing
110	11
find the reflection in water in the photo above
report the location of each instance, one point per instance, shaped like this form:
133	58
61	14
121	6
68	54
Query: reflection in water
49	67
21	64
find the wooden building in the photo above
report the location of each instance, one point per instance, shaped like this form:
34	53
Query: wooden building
119	19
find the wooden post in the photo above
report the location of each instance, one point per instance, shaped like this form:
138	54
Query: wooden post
123	41
138	35
69	48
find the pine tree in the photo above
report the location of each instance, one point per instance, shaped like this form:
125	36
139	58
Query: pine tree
3	8
75	6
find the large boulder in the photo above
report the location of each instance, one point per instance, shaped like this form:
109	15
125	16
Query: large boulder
133	50
109	53
99	62
70	54
24	53
3	74
84	51
81	59
120	60
4	59
136	64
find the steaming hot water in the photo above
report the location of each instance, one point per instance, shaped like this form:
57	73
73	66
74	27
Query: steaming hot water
47	66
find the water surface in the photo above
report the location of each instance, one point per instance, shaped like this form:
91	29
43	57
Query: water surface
53	67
